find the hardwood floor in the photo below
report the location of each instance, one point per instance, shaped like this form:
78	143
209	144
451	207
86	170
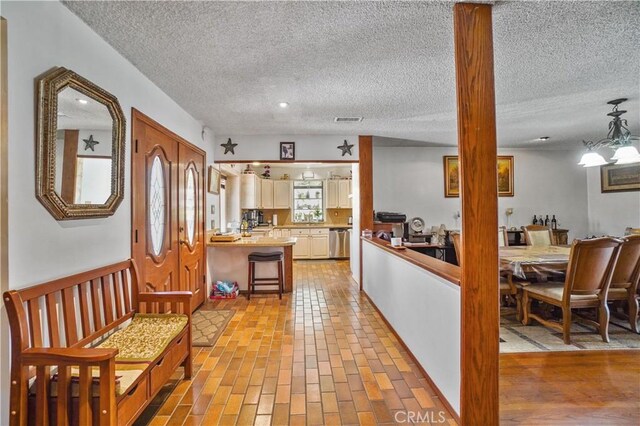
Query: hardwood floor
320	356
579	388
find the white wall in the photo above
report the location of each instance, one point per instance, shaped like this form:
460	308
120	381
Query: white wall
267	147
411	180
423	309
42	35
610	213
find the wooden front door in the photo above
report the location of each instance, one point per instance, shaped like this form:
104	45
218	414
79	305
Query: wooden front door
191	223
167	210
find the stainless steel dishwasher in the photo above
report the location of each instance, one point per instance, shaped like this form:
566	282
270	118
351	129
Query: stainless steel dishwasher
339	243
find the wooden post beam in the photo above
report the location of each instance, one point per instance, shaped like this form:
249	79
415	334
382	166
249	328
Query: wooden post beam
478	190
365	150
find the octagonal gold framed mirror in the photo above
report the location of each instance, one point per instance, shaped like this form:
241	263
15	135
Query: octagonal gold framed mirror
80	147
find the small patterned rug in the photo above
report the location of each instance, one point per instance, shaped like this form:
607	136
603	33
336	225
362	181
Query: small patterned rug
516	337
208	325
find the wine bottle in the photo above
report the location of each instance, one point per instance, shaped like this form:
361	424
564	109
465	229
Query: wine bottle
535	220
554	222
546	221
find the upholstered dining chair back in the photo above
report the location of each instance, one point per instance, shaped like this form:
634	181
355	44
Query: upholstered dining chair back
632	231
457	246
537	235
627	270
503	237
591	264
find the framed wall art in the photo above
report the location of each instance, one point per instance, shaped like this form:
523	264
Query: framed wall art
618	178
505	182
287	151
213	180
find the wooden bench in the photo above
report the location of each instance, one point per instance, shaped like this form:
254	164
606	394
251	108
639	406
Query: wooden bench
54	327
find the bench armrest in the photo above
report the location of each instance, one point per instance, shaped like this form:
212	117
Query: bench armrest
51	356
165	296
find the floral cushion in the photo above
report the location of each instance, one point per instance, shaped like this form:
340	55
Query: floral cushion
146	337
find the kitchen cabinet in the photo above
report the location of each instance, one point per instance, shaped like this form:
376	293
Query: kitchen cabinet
332	194
301	249
338	192
250	192
310	243
319	246
281	194
267	193
344	192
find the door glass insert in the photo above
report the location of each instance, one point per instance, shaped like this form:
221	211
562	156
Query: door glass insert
157	206
190	206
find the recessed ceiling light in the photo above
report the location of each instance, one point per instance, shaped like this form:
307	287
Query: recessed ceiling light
82	101
283	104
256	163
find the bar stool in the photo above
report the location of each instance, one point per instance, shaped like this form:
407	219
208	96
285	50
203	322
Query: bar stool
256	257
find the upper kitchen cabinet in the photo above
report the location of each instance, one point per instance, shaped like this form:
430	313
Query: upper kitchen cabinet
344	192
281	194
250	192
338	192
267	194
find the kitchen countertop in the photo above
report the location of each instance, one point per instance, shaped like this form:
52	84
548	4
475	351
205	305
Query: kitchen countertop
255	242
313	225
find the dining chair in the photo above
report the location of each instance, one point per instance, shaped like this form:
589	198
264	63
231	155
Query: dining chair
503	237
507	286
631	231
626	278
586	285
537	235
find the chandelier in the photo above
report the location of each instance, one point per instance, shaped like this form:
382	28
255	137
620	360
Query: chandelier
618	138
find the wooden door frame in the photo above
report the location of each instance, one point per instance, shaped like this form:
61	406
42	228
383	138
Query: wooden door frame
4	211
137	115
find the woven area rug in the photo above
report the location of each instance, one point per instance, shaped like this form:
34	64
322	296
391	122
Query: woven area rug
209	325
515	337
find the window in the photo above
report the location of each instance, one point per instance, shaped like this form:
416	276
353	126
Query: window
308	201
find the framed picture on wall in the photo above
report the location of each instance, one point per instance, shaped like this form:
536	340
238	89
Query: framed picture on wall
213	180
287	151
505	182
618	178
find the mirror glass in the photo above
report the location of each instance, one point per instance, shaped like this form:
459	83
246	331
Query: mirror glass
84	149
79	148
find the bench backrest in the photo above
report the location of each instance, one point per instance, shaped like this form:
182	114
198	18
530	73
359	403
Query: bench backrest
72	311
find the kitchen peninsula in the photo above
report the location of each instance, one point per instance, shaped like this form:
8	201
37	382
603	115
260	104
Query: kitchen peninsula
231	261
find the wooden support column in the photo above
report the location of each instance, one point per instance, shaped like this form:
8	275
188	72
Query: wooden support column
365	149
478	190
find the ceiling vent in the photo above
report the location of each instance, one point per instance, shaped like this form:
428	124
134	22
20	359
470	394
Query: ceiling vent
347	119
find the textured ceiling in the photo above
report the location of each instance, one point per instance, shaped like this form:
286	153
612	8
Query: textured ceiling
230	63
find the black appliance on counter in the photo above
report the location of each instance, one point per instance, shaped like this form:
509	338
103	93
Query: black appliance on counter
388	217
253	217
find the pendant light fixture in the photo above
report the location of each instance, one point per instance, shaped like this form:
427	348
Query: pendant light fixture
618	138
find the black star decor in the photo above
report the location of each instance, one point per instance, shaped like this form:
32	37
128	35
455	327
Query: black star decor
346	148
228	147
90	143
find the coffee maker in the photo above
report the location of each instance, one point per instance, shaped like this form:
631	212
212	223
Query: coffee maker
252	217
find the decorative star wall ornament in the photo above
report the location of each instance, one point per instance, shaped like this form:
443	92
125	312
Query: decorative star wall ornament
228	147
346	148
90	143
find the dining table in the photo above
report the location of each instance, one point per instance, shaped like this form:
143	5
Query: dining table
539	260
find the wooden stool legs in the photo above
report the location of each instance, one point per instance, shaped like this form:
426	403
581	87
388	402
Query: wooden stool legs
253	281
